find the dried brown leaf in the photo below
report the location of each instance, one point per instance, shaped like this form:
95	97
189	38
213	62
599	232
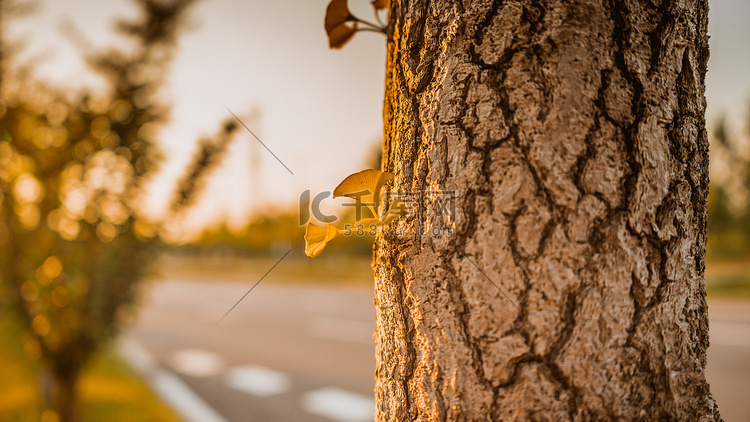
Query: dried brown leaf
381	4
337	16
341	35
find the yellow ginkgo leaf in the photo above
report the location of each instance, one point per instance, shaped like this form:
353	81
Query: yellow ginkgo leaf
316	238
364	186
397	209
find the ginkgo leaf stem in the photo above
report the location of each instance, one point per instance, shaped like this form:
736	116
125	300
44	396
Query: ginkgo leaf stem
379	31
377	17
370	24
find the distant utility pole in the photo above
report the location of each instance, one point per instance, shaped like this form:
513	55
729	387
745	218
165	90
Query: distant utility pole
254	119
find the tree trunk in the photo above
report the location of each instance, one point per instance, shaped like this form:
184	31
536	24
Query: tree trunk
60	394
569	284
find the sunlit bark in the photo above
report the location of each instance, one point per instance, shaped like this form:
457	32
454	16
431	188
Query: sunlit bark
573	136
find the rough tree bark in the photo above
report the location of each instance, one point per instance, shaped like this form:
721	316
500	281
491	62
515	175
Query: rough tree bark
573	134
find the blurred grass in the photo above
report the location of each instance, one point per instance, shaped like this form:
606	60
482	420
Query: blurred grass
728	279
108	390
331	269
738	287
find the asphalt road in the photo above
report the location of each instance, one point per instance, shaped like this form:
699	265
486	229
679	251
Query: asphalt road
305	352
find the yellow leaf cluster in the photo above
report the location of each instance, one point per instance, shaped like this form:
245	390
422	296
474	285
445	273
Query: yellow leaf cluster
364	186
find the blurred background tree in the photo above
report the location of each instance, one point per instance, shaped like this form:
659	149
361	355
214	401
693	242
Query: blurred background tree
73	244
729	197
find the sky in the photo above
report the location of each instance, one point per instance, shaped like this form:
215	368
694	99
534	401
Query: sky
318	110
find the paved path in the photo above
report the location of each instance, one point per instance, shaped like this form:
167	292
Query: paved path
728	369
286	353
305	353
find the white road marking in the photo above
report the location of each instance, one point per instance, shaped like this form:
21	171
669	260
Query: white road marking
183	399
196	362
729	333
339	405
137	356
342	329
169	387
258	381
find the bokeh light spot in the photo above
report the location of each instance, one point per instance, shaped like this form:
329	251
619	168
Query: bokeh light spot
41	325
106	231
27	189
29	291
100	127
56	113
60	297
52	267
28	215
